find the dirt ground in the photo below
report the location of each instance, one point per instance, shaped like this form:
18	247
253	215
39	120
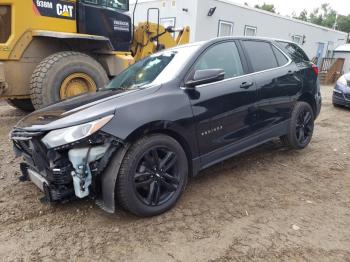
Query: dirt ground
269	204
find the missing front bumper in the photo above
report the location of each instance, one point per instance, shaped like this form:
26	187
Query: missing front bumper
70	172
37	179
56	188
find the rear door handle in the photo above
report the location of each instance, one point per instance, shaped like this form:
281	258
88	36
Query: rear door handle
246	85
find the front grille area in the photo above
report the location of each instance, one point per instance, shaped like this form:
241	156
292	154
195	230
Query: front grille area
336	94
20	134
347	96
5	23
22	139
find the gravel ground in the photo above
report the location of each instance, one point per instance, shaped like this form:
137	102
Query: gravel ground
269	204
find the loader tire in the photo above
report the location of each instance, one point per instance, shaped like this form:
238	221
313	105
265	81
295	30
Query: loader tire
63	75
22	104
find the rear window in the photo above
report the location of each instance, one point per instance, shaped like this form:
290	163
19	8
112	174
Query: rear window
281	58
296	53
261	55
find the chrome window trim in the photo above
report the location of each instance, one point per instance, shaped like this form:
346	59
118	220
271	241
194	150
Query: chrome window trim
254	73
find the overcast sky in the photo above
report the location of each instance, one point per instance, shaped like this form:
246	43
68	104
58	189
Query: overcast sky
286	7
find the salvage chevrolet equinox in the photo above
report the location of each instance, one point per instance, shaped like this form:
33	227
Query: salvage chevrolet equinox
136	141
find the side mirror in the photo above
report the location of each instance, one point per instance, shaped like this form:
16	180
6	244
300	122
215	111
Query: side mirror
206	76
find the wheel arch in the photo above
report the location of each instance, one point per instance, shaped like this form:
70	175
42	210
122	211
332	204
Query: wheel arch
166	128
108	180
310	99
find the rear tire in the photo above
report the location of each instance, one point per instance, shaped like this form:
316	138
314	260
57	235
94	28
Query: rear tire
152	176
55	70
22	104
301	127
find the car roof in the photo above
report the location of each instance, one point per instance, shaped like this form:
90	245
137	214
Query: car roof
219	39
247	38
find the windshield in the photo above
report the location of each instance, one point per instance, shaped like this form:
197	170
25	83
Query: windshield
115	4
154	69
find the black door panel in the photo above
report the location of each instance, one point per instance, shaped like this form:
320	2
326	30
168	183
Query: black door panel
225	113
278	82
276	90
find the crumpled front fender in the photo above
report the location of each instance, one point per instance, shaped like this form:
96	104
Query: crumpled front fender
107	200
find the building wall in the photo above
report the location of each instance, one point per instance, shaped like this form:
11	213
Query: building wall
204	27
169	10
267	26
345	55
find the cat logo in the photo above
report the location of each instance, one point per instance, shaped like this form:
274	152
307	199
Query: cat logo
65	10
54	8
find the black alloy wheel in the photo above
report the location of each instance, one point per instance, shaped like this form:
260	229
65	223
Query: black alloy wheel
157	176
304	127
152	176
301	127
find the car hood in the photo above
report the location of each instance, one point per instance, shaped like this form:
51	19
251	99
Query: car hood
80	109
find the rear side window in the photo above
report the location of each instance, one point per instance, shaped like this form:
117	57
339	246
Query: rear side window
296	53
261	55
281	58
222	56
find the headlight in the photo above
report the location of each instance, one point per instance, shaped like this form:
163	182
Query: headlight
71	134
342	80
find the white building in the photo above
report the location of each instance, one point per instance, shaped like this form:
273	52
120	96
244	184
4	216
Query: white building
212	18
343	51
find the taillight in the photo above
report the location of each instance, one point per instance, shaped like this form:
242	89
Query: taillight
315	68
5	23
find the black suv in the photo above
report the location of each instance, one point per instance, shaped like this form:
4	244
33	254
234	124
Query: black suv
167	117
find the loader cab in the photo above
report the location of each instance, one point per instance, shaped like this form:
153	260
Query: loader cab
107	18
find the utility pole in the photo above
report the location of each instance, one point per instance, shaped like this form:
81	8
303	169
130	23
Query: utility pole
335	22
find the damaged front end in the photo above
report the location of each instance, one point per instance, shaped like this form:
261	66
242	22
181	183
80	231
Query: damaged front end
65	166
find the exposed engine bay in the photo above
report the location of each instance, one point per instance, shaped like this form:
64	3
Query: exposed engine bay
64	172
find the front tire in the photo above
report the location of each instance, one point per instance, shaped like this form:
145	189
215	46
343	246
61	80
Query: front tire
301	127
152	176
63	75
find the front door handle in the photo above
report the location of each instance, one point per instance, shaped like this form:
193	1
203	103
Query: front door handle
246	85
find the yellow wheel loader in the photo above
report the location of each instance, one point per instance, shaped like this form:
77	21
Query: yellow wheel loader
53	49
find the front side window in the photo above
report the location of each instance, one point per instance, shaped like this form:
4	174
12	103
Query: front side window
261	55
225	28
222	56
115	4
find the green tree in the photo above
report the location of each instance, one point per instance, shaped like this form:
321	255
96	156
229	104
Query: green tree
267	7
326	16
343	23
302	16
